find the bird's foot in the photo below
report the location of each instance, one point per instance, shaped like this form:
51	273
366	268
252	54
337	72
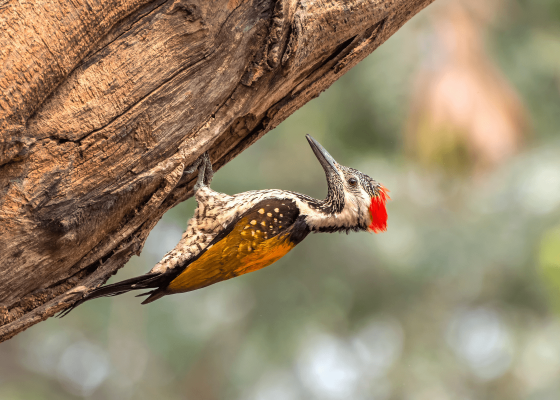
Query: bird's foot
205	172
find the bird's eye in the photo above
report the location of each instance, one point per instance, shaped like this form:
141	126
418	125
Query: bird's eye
352	181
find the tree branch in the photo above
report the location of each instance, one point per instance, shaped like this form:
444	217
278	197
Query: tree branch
104	104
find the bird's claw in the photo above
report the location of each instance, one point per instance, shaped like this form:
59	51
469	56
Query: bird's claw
205	172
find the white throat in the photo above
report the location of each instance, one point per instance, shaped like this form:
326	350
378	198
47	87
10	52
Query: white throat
354	214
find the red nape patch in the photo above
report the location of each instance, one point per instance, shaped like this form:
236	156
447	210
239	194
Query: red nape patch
378	211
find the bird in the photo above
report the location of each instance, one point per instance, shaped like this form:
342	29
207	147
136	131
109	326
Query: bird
230	236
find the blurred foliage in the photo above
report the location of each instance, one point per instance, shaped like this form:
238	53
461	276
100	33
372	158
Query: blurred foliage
459	299
465	116
549	263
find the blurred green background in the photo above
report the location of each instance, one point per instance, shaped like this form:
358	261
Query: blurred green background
458	115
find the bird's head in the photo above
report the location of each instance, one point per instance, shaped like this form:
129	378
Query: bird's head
354	201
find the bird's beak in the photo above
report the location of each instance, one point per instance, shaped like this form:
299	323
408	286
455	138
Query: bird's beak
326	160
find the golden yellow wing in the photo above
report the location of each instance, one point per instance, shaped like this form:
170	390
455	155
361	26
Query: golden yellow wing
257	240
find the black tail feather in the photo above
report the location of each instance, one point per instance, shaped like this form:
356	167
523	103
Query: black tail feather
154	295
147	281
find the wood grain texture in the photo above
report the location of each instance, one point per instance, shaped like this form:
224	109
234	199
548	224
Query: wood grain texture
103	104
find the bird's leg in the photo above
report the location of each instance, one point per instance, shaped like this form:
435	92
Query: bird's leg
193	167
208	171
205	172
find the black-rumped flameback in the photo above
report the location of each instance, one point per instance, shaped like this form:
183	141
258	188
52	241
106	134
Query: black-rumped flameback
230	236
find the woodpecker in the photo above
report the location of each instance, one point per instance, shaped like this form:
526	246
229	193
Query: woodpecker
230	236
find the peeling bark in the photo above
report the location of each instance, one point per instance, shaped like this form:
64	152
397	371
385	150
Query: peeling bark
104	104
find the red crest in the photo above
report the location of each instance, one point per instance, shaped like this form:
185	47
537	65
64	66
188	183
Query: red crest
378	211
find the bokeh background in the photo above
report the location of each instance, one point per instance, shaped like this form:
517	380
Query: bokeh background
458	115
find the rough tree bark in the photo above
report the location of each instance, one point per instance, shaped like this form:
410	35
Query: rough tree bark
104	103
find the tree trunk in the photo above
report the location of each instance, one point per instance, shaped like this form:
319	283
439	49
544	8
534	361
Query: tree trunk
105	103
